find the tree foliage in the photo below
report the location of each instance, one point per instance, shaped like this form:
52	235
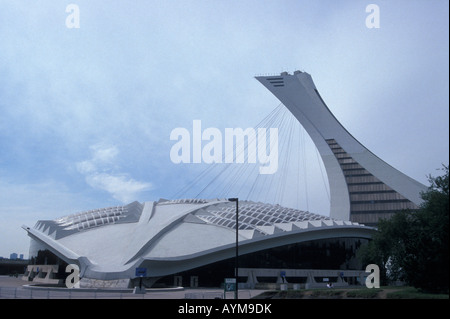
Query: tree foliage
412	246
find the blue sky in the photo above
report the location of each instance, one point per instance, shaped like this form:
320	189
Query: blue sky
86	114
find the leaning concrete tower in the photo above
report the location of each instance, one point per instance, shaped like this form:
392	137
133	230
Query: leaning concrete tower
363	188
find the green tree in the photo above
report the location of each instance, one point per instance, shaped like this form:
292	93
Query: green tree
431	243
413	245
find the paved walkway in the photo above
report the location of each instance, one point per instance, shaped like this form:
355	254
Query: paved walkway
15	288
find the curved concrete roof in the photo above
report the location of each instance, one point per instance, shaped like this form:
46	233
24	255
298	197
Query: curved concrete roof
172	236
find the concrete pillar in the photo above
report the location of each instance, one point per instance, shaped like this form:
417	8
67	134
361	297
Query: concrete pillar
194	281
178	281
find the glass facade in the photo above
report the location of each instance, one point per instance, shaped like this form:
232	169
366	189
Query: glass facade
370	199
336	253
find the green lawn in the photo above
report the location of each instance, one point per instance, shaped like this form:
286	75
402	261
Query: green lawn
413	293
388	292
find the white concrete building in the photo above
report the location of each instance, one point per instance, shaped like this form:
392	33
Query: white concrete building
169	237
196	238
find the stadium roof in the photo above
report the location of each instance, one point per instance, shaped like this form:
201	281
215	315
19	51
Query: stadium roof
168	236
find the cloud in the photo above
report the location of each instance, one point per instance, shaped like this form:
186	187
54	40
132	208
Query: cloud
101	172
25	203
122	187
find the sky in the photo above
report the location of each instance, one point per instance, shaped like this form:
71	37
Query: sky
86	113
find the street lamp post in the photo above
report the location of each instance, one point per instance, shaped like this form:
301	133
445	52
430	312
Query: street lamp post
236	272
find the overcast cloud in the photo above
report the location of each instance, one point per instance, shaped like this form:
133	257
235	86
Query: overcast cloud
86	114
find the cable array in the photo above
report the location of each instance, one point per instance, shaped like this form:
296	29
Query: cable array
288	186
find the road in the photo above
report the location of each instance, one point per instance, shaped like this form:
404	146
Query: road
13	288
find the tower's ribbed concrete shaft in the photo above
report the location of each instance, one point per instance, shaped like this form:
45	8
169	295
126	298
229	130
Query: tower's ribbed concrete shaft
363	188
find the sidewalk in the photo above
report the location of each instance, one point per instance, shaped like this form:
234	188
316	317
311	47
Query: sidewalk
16	288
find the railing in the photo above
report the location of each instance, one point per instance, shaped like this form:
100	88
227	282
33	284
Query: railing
42	293
242	294
21	293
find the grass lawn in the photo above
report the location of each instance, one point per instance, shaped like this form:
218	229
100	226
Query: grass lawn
413	293
388	292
